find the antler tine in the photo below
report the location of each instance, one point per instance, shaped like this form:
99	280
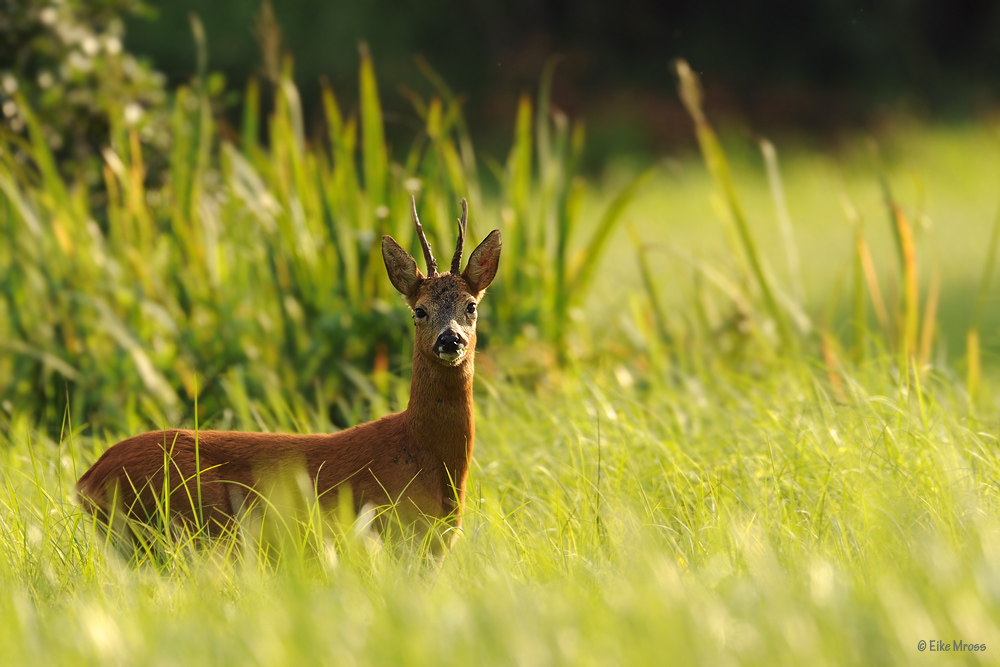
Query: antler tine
456	261
432	266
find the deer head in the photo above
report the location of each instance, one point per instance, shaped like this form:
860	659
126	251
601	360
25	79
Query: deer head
444	305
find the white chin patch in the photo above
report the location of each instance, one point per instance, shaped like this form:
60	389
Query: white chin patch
452	357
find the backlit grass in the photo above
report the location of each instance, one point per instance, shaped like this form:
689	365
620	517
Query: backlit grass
721	518
690	448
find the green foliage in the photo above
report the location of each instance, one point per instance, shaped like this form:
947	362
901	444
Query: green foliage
64	64
771	316
542	210
257	268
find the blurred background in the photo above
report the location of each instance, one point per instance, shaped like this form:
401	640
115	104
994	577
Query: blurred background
815	71
785	66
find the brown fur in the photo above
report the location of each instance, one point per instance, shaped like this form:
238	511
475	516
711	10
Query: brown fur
417	460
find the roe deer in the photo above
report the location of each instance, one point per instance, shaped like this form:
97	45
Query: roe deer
416	460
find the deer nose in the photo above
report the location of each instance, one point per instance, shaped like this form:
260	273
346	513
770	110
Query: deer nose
449	342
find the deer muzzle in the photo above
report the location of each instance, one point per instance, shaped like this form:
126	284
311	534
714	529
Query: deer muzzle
450	347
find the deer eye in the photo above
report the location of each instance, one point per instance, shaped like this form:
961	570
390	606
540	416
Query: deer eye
471	308
419	313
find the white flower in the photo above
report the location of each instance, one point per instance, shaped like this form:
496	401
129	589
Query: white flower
79	62
133	113
90	45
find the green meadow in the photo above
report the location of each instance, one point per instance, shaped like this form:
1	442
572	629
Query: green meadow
735	407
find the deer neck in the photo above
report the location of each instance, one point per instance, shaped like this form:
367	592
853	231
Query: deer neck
440	413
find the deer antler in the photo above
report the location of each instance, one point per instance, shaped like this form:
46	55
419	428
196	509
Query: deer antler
432	266
456	261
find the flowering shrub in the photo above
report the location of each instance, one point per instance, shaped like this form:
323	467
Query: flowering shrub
66	62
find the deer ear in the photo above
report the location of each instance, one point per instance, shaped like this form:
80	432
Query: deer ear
402	268
483	262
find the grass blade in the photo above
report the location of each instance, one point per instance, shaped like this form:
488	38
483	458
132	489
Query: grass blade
911	286
594	249
784	219
374	155
649	284
929	326
718	166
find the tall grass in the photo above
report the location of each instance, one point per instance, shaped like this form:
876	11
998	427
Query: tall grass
256	268
729	519
745	478
775	316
